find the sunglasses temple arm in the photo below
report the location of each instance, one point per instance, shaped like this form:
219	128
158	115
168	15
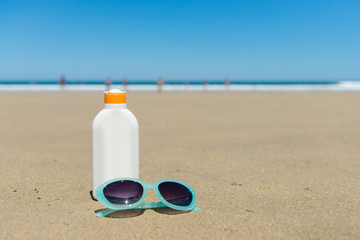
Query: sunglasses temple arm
147	205
143	205
104	213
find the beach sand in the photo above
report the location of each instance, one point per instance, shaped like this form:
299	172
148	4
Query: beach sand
263	165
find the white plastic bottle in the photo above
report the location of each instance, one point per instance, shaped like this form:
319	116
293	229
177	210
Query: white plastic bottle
115	141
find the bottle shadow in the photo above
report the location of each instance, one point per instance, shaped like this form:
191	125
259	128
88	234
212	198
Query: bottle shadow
130	213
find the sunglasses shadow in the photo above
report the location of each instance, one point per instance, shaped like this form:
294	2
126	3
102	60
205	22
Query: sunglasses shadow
169	211
130	213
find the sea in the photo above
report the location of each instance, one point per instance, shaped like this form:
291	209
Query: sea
179	86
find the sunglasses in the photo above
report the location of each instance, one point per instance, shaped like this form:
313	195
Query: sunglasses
129	193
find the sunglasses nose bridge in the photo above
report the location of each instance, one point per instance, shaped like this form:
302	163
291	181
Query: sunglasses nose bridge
150	195
149	185
145	186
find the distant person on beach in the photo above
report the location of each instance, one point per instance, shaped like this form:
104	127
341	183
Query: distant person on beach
205	84
160	83
186	83
227	83
125	83
62	82
108	83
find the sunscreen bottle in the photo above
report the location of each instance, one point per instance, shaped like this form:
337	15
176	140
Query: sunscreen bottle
115	141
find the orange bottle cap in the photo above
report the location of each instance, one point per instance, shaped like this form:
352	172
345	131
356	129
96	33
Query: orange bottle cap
115	96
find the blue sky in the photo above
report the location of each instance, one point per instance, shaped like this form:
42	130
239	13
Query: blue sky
249	39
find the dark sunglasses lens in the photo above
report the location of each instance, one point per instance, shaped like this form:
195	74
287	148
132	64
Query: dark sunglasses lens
176	193
123	192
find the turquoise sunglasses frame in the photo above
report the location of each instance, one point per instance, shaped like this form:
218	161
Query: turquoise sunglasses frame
99	193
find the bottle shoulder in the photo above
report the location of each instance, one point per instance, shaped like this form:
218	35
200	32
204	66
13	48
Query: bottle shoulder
115	115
